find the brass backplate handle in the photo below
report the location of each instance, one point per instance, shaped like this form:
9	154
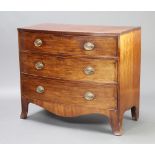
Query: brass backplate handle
89	96
40	89
88	46
38	42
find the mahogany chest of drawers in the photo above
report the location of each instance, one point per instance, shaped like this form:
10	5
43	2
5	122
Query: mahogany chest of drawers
73	70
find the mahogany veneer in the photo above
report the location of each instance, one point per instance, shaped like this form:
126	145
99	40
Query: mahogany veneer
73	70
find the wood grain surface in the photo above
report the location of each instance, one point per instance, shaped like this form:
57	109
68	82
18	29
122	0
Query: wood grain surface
59	91
129	73
79	29
68	68
69	45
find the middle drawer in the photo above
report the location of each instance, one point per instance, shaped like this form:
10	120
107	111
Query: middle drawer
69	68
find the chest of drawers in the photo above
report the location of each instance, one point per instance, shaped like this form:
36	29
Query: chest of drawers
73	70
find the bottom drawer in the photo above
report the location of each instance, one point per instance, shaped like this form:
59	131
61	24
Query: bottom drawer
69	92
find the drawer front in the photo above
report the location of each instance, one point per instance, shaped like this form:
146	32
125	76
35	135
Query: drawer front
69	68
61	92
71	45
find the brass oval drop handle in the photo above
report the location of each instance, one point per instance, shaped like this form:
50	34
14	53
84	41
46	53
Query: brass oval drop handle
39	65
88	46
38	42
40	89
89	96
89	70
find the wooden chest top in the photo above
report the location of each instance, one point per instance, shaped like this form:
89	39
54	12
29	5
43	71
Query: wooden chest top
80	29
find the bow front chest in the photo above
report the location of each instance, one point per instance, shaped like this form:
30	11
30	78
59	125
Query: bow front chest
73	70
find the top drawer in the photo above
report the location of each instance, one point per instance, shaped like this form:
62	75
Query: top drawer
67	44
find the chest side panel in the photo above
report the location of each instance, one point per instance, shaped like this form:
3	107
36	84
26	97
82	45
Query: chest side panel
129	69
